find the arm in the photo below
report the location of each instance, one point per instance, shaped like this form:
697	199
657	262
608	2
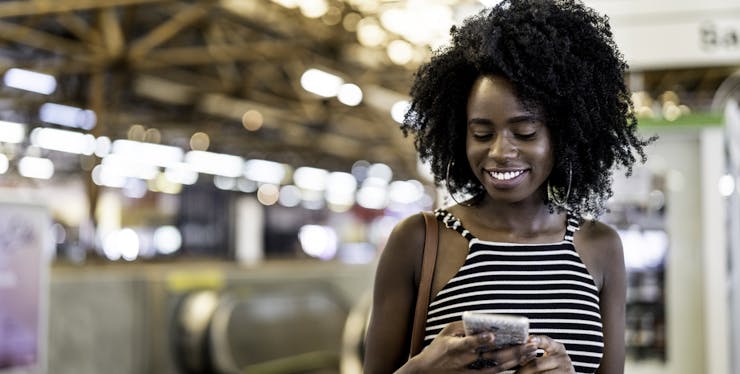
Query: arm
394	297
612	303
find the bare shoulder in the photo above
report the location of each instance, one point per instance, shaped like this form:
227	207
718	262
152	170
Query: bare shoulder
405	244
600	248
600	235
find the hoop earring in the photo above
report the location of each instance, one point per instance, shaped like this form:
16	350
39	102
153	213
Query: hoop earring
470	202
449	190
552	193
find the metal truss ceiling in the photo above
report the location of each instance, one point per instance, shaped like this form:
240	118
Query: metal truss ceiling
187	66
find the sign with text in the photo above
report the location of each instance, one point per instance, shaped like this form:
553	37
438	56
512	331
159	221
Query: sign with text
660	34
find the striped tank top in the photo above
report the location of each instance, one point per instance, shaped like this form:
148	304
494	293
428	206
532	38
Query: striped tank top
547	283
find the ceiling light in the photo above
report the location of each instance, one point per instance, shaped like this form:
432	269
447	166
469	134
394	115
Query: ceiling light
148	153
405	192
350	94
314	8
290	196
372	197
4	163
68	116
268	194
167	239
121	243
333	16
309	178
380	171
102	146
350	21
36	167
181	173
400	52
340	189
136	132
117	167
369	32
215	163
321	83
290	4
252	120
30	81
11	132
399	110
264	171
63	141
318	241
726	185
200	141
224	183
106	176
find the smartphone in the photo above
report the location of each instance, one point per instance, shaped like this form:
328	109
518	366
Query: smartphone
508	330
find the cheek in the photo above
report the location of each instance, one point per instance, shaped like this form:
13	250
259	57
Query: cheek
475	151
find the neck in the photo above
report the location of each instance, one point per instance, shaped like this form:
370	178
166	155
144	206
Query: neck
526	217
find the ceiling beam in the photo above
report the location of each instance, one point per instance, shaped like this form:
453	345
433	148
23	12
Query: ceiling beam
42	7
218	53
80	28
50	66
167	30
43	40
110	28
227	72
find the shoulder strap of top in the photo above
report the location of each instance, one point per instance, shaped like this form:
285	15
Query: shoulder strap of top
572	224
453	223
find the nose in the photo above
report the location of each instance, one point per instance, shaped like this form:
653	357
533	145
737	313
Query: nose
502	148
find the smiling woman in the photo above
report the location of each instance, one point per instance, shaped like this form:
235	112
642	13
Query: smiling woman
508	146
526	112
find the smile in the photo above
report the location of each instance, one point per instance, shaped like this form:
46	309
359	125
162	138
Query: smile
504	176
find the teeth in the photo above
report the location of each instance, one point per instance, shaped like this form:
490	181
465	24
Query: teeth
507	175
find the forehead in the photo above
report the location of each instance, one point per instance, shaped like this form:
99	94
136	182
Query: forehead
495	94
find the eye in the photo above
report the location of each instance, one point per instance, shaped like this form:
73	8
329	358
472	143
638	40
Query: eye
482	135
526	136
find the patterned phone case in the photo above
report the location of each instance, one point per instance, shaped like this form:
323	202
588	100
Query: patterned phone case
508	330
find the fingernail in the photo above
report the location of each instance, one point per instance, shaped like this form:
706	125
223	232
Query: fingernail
487	336
534	340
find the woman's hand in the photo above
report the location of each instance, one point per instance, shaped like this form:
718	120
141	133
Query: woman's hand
453	352
554	361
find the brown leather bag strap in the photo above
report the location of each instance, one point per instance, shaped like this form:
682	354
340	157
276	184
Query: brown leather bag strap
429	258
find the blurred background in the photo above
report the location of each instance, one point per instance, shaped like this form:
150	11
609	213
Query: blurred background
205	186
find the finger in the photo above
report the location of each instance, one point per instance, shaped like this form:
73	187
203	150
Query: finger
467	346
549	345
453	329
511	357
542	365
476	344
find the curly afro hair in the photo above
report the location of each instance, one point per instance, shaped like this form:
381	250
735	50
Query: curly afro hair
559	55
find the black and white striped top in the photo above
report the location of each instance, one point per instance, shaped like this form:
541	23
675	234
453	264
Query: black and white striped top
547	283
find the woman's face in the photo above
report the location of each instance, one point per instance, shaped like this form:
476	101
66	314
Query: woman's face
508	145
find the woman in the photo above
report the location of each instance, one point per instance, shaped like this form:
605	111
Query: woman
526	113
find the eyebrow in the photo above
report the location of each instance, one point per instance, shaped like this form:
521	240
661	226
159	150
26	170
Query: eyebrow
511	121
